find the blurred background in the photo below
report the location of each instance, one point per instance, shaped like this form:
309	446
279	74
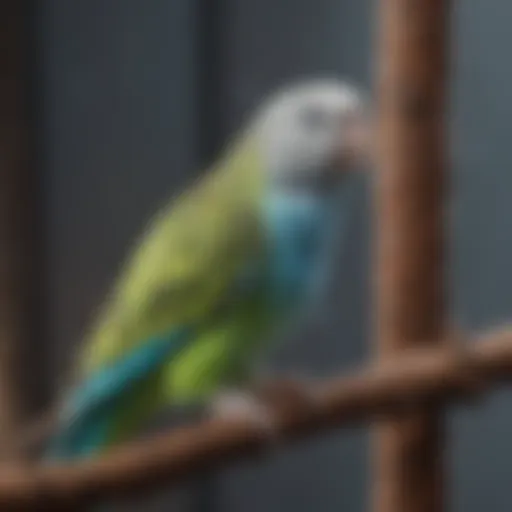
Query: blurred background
130	99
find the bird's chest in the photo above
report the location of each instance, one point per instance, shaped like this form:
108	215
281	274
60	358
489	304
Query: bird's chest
298	250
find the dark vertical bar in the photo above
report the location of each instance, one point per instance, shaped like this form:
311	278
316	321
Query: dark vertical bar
412	84
39	349
18	189
210	33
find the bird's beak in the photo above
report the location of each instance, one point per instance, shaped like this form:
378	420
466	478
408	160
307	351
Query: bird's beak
355	148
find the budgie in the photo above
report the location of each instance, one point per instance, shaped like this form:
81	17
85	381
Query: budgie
233	262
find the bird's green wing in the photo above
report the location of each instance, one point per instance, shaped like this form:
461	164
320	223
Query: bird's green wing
181	270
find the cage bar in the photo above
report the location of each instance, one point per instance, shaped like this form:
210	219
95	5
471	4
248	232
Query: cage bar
16	222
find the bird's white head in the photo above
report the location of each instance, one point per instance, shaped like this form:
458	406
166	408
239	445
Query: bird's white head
312	133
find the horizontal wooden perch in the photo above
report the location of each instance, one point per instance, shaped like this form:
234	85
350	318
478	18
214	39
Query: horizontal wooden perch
404	382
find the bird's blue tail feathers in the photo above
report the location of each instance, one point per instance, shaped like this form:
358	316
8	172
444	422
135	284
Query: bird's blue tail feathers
86	421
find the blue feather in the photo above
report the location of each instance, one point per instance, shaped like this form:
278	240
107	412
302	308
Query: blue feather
305	230
90	408
299	236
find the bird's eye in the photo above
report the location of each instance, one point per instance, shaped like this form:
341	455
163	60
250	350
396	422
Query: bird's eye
314	118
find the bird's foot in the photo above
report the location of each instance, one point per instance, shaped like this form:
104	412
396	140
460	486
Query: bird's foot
288	393
267	403
244	406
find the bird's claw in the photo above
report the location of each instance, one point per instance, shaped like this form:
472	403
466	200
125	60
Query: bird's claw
243	406
288	393
267	398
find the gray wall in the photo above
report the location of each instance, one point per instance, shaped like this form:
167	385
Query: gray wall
119	132
482	285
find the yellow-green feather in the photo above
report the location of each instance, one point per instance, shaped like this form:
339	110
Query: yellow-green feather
186	260
181	274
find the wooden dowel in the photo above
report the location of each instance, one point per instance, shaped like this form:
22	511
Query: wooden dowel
411	84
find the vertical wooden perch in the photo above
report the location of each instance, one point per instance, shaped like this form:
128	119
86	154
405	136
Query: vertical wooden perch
412	51
15	206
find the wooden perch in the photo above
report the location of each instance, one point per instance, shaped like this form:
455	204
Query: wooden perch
401	384
411	88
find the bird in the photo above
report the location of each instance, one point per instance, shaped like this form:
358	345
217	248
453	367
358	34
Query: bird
221	273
